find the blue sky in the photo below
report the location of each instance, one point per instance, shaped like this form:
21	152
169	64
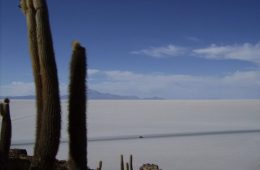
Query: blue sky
178	49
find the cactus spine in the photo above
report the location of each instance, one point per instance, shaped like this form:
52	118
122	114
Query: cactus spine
48	130
6	133
77	110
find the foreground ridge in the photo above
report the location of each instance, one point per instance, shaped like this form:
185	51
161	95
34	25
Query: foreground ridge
19	160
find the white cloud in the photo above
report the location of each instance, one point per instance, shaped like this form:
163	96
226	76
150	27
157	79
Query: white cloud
236	85
246	52
92	72
17	88
232	86
162	52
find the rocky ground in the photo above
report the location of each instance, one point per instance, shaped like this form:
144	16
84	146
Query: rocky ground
19	160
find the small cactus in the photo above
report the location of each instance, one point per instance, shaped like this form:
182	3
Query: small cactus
131	162
127	166
99	165
122	162
6	133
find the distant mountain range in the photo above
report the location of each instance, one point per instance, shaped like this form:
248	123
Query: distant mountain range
93	94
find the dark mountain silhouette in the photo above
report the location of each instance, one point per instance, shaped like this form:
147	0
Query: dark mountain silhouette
92	94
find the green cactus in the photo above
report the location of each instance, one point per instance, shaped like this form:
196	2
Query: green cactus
6	133
29	11
77	109
51	118
48	130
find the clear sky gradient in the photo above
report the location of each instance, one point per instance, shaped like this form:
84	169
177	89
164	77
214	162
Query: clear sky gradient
177	49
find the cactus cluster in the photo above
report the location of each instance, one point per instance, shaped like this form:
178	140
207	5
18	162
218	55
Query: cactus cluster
48	117
46	83
47	92
127	165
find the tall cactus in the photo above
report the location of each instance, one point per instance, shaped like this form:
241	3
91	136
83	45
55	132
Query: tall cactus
6	133
48	136
29	12
51	118
77	109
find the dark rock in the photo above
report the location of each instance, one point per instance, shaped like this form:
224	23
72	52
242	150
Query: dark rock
149	167
17	152
19	160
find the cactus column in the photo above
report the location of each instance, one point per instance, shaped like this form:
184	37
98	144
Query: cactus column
29	12
48	132
51	118
77	110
